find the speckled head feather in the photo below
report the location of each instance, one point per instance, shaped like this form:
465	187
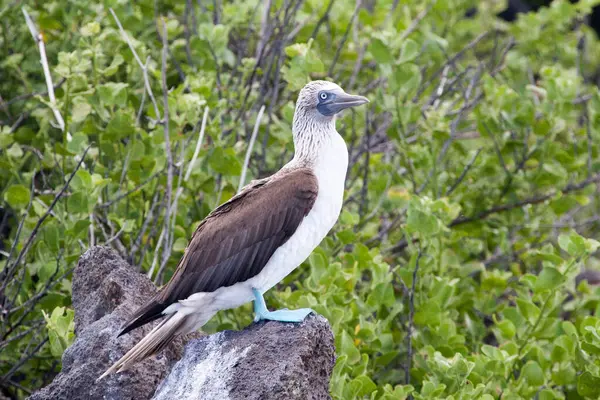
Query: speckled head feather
314	120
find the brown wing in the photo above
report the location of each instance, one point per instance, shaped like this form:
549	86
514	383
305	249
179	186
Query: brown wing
236	240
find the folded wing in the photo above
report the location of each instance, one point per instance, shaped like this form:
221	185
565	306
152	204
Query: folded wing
236	240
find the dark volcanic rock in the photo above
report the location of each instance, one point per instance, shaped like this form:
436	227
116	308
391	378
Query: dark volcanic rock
106	291
269	360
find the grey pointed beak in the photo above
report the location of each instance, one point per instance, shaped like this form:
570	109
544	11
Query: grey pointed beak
345	100
340	102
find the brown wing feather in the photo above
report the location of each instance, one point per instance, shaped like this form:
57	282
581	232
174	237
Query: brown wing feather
236	240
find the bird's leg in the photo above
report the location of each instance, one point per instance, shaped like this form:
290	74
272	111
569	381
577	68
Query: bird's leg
261	312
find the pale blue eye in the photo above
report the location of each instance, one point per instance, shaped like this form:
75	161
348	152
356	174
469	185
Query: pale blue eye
323	96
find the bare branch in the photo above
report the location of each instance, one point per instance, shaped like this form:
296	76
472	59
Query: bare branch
411	315
170	167
250	146
532	200
143	66
198	146
33	94
264	27
135	189
415	22
39	39
463	173
344	38
41	220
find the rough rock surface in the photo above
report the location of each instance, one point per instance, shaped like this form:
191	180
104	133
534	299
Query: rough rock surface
106	290
268	360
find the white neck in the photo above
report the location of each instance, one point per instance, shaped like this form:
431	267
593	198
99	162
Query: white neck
310	136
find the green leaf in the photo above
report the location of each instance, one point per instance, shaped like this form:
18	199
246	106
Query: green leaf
406	79
569	328
80	111
428	314
113	93
90	29
52	237
15	151
528	310
114	66
121	125
17	196
550	278
382	295
56	345
225	161
533	373
507	328
60	325
588	385
180	245
492	352
591	245
78	203
348	348
409	51
367	386
82	180
78	143
380	52
572	243
422	222
296	49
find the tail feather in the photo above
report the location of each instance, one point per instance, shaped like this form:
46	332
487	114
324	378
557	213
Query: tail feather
148	313
153	342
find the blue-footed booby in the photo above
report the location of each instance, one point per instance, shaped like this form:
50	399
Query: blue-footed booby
247	245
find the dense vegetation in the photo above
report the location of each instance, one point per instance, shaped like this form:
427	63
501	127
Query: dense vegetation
463	265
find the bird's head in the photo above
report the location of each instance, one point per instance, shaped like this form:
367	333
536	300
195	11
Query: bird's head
322	100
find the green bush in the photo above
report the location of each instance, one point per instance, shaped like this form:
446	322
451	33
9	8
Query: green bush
462	264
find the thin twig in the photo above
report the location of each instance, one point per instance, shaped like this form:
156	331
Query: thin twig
41	220
264	27
322	19
91	229
170	167
156	252
365	183
33	94
415	22
198	146
143	66
39	39
127	193
115	236
250	146
464	173
344	38
138	240
24	359
138	118
532	200
402	244
411	318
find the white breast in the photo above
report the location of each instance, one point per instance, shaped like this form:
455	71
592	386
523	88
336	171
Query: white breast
330	170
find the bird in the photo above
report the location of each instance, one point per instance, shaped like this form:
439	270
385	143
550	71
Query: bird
250	243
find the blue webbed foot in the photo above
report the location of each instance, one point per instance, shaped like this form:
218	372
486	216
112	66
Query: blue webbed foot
284	315
261	312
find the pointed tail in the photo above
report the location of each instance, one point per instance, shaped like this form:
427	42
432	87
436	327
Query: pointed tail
155	341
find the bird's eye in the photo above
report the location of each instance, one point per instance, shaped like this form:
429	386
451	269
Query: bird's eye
323	96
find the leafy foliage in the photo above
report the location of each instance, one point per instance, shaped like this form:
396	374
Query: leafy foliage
464	263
